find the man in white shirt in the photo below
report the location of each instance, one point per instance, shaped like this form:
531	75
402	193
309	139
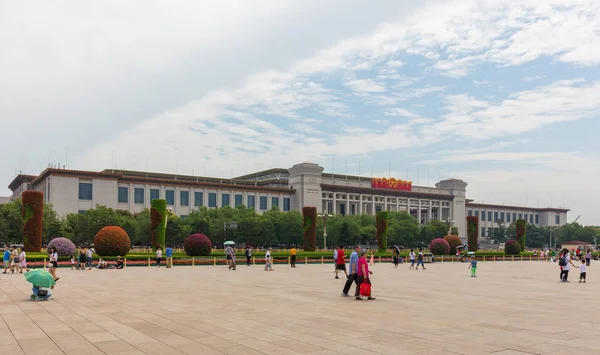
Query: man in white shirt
228	252
158	256
268	260
412	259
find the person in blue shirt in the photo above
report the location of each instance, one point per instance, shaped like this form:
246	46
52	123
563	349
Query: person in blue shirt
473	266
353	272
6	259
169	255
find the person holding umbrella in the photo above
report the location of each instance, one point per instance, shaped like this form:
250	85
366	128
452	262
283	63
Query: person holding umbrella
43	282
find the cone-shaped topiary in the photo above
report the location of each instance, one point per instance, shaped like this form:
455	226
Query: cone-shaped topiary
439	246
32	211
512	247
381	222
454	241
64	246
158	217
473	232
310	228
197	245
521	226
112	241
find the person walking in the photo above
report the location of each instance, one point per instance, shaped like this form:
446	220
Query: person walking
335	254
169	256
420	260
248	254
14	265
88	257
588	257
158	256
293	252
395	257
473	266
53	262
582	270
268	260
411	256
232	263
6	260
22	261
353	277
372	262
363	274
341	262
565	263
228	252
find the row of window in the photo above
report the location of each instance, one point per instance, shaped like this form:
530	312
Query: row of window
85	193
499	216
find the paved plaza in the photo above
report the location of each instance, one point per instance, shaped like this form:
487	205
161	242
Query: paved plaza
510	308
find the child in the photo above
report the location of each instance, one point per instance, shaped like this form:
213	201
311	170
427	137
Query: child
473	266
72	262
582	270
372	263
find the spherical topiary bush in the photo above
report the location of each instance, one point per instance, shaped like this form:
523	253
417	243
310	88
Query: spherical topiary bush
112	241
512	247
64	247
197	245
454	242
439	247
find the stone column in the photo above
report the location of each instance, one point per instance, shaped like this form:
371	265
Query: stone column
419	212
348	207
430	212
334	204
360	204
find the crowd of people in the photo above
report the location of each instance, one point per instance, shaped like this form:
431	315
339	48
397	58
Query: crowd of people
15	259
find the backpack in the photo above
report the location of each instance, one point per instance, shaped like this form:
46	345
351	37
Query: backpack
247	252
562	261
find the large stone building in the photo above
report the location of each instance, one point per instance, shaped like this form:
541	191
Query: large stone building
305	184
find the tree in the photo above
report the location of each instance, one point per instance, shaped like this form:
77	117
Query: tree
432	230
498	234
11	222
52	225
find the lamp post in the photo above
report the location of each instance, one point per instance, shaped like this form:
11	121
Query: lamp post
449	224
325	216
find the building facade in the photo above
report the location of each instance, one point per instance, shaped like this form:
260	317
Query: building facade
305	184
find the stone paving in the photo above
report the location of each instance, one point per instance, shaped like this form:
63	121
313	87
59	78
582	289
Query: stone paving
510	308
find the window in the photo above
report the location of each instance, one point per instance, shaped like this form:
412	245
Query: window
531	218
184	198
286	204
275	202
490	216
537	219
483	231
183	217
252	202
212	199
476	213
170	197
263	203
520	215
225	200
81	211
502	216
138	195
198	198
154	194
123	192
343	209
508	217
85	191
239	200
495	216
483	215
514	216
557	219
469	213
525	217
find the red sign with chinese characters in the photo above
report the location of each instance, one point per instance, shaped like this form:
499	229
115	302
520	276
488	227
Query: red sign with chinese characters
391	184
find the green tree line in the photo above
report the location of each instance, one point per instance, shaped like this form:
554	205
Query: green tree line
269	228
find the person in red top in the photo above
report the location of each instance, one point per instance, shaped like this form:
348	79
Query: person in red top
340	263
363	275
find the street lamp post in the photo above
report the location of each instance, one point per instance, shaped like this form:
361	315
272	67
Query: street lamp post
449	224
325	216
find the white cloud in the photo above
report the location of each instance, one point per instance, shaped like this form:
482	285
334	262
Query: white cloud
364	86
533	157
532	78
401	112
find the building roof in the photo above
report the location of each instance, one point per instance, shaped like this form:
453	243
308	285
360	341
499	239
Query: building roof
576	242
523	208
262	173
159	178
19	180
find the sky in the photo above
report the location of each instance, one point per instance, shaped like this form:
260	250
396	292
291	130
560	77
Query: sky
504	95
